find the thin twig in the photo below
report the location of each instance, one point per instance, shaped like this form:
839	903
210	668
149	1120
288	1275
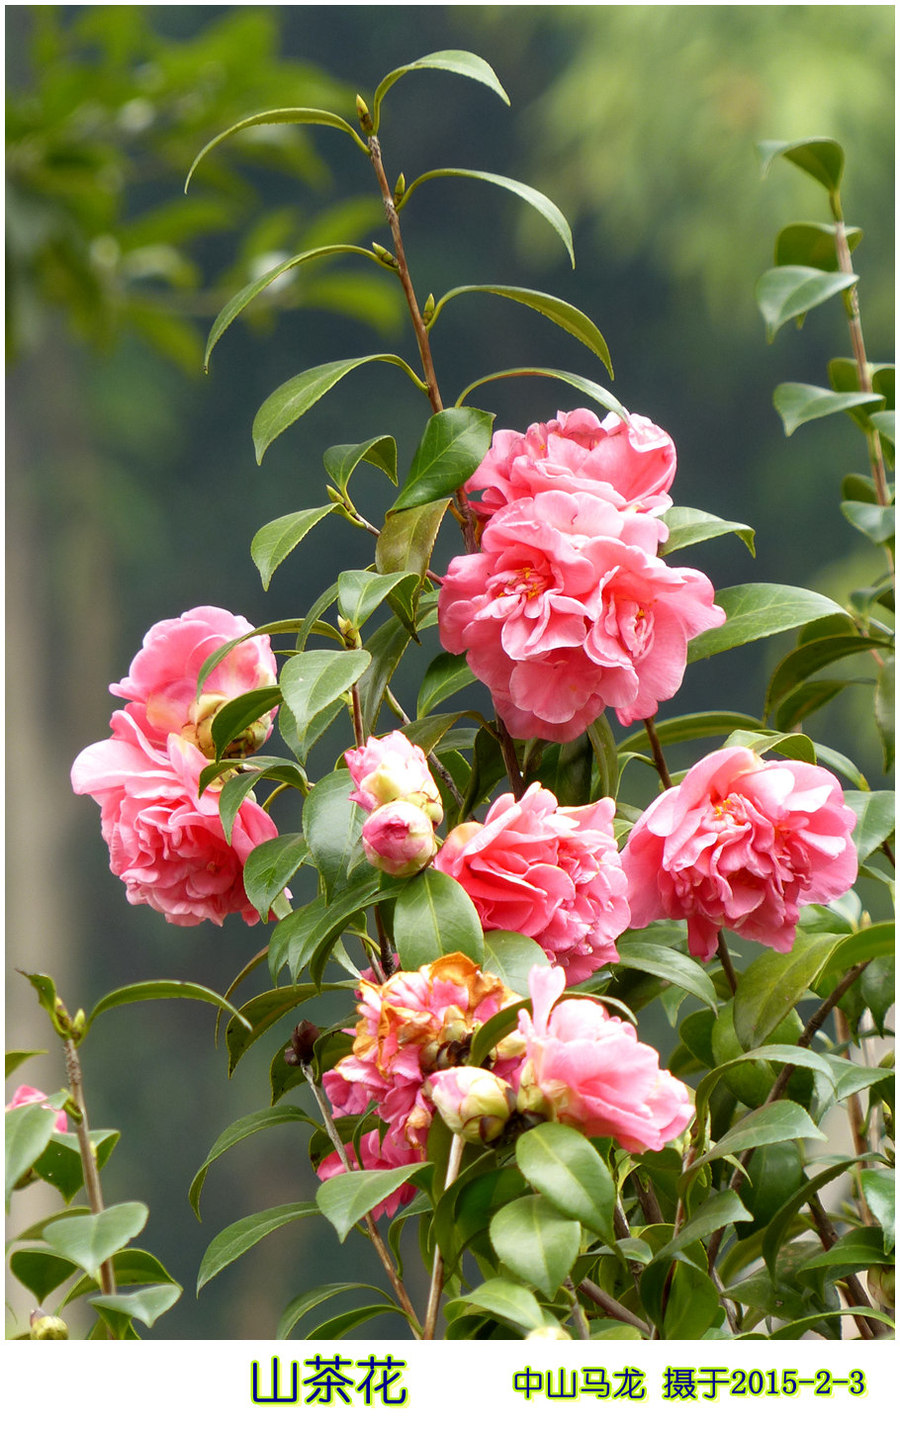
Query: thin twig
88	1156
612	1307
514	773
725	960
457	1146
659	759
578	1315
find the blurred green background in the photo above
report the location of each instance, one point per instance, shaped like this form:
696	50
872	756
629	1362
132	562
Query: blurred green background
132	487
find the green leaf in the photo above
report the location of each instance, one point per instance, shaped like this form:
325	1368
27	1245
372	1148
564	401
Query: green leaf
812	244
14	1060
145	1305
536	1241
315	679
723	1208
672	966
131	1267
90	1240
452	446
239	302
386	647
603	744
444	677
236	789
242	1235
273	542
780	1121
28	1130
788	745
311	1299
269	868
361	592
884	709
506	1301
822	159
563	1165
688	527
407	538
275	627
347	1198
40	1271
709	724
161	988
571	319
874	819
298	394
237	715
238	1131
755	611
774	983
434	915
380	452
510	957
815	655
333	824
593	390
857	1249
790	291
279	116
340	1325
878	1188
885	423
60	1164
261	1013
878	940
876	522
806	699
463	62
544	206
799	402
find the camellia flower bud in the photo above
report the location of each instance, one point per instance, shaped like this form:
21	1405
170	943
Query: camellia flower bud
198	730
474	1103
47	1327
393	768
399	838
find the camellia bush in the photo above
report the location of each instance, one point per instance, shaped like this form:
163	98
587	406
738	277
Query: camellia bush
501	896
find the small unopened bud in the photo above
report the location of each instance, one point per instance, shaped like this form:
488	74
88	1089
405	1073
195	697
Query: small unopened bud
349	634
399	838
548	1332
198	730
47	1327
474	1103
365	118
302	1048
428	310
79	1022
880	1281
399	188
384	256
392	767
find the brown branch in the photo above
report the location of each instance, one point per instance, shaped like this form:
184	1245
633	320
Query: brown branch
88	1156
659	759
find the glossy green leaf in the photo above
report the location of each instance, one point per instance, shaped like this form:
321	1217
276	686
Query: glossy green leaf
269	868
333	824
878	1188
815	655
856	1249
347	1198
161	988
603	744
236	789
792	290
433	916
27	1131
708	724
673	967
237	715
878	940
462	62
493	1031
324	921
569	318
821	158
876	522
317	678
536	1241
60	1164
799	402
806	699
444	677
452	446
688	527
504	1300
875	812
510	957
294	397
275	541
278	116
812	245
131	1266
338	1326
780	1225
145	1305
885	423
311	1299
361	592
885	690
238	1131
261	1013
40	1271
241	1236
236	305
538	201
723	1208
755	611
342	461
774	983
407	538
570	1173
90	1240
275	627
780	1121
593	390
14	1060
386	646
786	745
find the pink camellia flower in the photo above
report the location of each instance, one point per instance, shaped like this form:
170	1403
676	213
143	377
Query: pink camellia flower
412	1025
392	768
588	1070
476	1104
630	464
161	684
377	1152
399	838
551	873
741	843
567	610
165	839
30	1096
